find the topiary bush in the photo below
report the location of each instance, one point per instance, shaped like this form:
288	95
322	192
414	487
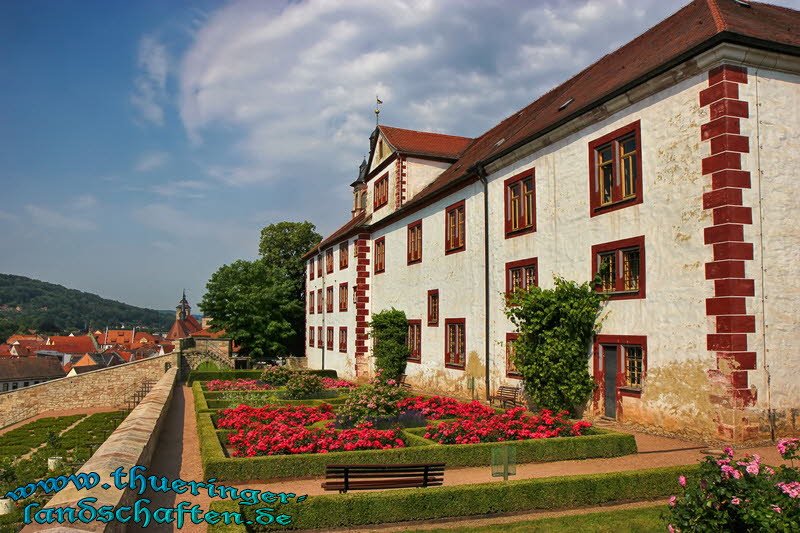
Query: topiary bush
304	385
390	331
368	403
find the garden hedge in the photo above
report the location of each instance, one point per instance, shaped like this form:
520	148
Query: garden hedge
216	465
342	510
203	375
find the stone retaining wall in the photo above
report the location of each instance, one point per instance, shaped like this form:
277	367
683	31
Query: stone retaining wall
108	387
131	444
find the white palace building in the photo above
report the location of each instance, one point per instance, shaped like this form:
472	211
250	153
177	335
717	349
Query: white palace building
675	159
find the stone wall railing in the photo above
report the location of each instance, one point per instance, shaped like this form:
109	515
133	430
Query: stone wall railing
131	444
107	387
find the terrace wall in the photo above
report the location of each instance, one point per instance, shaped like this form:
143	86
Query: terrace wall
108	387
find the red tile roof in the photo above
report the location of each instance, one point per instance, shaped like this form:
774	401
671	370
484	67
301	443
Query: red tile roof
340	233
425	143
701	24
22	368
74	345
18	337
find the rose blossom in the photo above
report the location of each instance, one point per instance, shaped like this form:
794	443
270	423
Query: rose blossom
682	480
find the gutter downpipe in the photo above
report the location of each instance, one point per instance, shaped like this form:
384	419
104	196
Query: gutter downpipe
480	170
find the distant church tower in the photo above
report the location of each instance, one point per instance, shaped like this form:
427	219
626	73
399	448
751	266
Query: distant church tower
183	311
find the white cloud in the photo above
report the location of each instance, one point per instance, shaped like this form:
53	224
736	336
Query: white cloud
151	161
83	202
149	92
50	218
7	216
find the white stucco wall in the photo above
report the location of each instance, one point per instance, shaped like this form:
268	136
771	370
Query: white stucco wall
421	173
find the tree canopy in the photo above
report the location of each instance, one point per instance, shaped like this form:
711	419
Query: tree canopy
284	244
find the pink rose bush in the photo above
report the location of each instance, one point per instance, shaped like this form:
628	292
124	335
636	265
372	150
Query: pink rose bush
744	495
514	424
438	407
244	416
237	385
330	383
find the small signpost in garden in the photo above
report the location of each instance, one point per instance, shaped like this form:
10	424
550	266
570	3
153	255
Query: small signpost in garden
504	461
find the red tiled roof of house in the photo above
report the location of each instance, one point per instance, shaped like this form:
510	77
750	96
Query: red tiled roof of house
79	344
168	347
19	337
425	143
183	328
20	368
67	367
117	336
340	233
699	25
142	337
208	333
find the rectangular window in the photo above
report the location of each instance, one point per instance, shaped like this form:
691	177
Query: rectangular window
381	192
319	266
319	336
521	275
520	204
615	170
329	260
329	299
454	232
634	366
455	343
621	268
344	255
319	301
311	336
311	302
415	242
343	339
433	307
343	296
311	269
329	339
511	367
380	255
415	341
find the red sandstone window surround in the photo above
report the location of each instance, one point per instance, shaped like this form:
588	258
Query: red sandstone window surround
511	368
631	361
311	302
433	307
329	260
415	341
521	275
311	336
520	204
380	255
319	266
623	275
319	336
319	301
344	256
311	269
381	192
615	170
343	339
454	229
329	299
415	242
343	294
329	339
455	343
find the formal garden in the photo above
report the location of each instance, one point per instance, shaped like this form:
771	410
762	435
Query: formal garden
48	447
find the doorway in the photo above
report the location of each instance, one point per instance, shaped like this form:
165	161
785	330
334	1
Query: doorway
610	380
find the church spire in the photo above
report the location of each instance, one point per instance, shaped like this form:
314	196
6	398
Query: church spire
183	310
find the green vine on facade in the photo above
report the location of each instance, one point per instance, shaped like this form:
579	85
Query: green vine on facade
556	328
390	331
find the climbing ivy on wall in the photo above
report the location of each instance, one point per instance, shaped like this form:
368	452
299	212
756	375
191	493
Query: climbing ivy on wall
390	349
556	328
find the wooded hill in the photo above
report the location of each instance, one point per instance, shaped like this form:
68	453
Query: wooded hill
50	308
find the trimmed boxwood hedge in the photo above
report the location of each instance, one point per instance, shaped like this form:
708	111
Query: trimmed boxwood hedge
202	375
216	465
342	510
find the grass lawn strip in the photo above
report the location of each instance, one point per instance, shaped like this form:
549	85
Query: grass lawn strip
24	439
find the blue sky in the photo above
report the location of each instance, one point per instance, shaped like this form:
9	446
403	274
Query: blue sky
144	144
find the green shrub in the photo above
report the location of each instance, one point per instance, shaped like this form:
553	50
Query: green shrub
195	375
376	400
389	328
278	375
302	385
419	450
331	511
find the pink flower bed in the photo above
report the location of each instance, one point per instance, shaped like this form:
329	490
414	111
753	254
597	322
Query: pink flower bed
279	430
246	417
239	384
511	425
330	383
438	407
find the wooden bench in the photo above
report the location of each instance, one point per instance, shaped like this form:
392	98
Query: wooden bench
365	477
402	381
506	396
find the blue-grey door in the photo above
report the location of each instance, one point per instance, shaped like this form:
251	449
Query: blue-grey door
610	380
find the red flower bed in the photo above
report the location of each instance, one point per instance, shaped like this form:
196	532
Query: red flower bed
282	439
239	384
330	383
438	407
511	425
246	417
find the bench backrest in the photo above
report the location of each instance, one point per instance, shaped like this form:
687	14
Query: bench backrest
508	391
